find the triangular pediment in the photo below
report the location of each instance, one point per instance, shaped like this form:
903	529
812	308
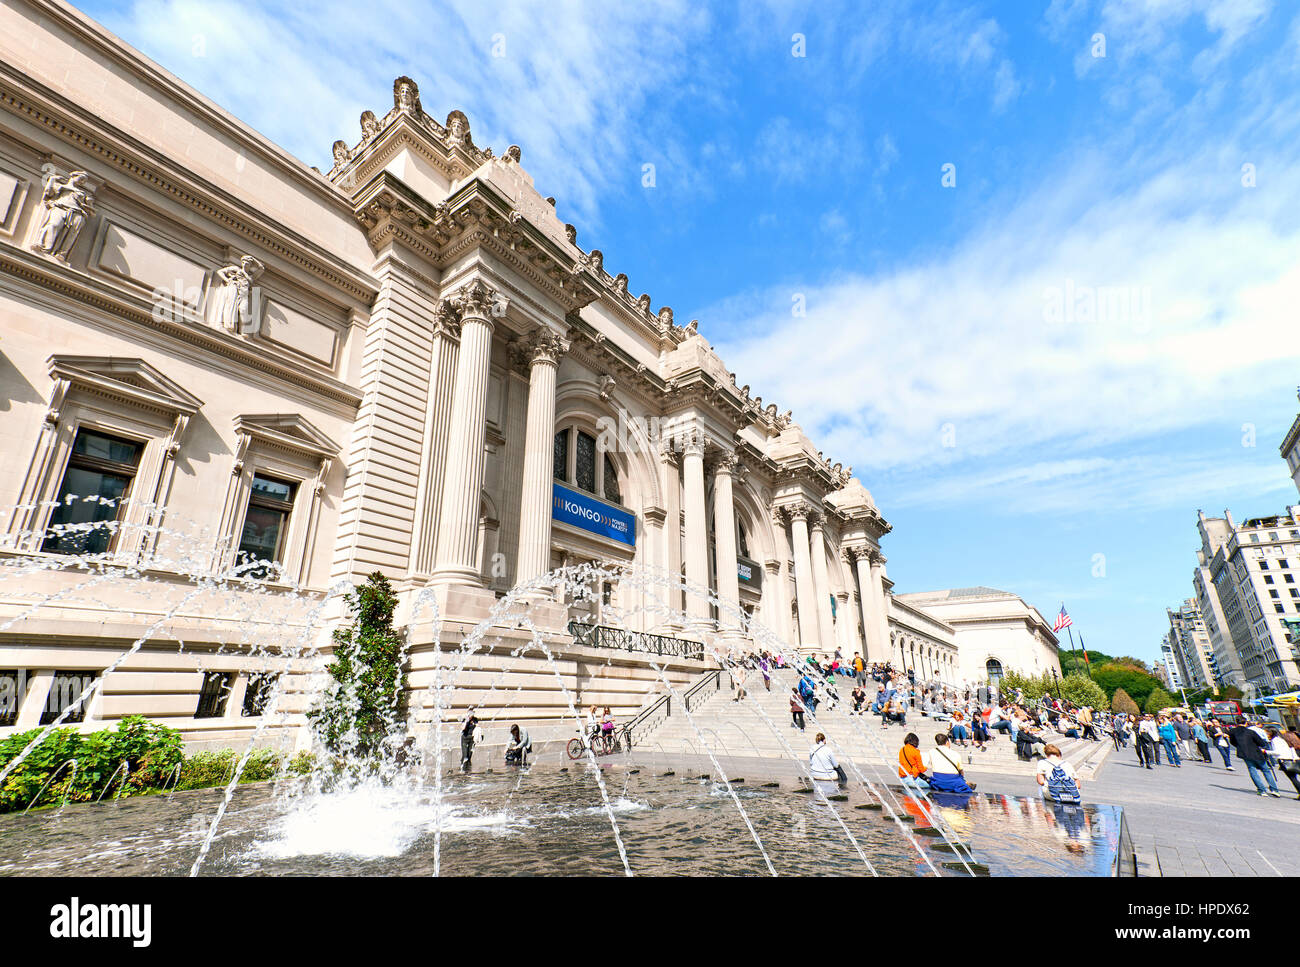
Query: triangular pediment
287	429
128	377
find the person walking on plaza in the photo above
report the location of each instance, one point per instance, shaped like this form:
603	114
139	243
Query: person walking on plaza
796	709
1184	732
1222	742
1285	756
1253	749
1169	739
468	726
1148	742
738	678
1202	740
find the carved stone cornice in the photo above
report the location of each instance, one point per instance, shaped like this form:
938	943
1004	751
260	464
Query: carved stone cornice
474	216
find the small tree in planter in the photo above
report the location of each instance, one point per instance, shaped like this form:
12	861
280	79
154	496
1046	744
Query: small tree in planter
363	710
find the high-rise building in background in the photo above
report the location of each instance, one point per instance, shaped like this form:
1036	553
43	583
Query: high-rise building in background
1247	589
1189	643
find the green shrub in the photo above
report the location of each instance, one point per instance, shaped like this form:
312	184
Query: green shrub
150	752
1159	699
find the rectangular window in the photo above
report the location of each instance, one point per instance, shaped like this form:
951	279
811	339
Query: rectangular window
1273	593
258	693
266	525
1268	579
213	695
1279	609
12	685
65	692
100	467
1263	565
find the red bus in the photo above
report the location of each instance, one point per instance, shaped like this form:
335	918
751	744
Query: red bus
1228	710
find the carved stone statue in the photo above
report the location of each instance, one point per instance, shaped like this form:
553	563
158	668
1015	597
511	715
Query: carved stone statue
571	233
643	302
512	154
457	128
406	96
68	205
369	125
666	319
596	260
340	153
620	284
693	328
238	303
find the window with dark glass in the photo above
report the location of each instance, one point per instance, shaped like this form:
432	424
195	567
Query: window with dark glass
213	695
993	668
258	693
266	524
611	482
100	466
11	694
742	544
585	475
65	692
562	455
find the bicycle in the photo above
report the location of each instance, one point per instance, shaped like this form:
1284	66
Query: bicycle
577	747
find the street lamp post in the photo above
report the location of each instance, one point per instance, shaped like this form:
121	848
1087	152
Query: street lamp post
1058	683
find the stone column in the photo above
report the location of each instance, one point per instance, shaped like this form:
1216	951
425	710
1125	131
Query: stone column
457	557
878	593
822	583
780	588
670	477
697	531
543	353
876	650
805	593
724	537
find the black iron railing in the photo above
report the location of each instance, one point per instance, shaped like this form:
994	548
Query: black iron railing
603	636
703	690
648	719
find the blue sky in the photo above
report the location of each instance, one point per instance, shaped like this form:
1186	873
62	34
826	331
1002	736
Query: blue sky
946	350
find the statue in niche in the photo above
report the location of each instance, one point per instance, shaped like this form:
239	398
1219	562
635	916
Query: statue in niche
68	205
239	301
369	125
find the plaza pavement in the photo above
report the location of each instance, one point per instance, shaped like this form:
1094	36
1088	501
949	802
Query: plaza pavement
1200	820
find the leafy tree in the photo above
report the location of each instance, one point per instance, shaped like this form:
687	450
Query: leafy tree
1074	662
1137	684
1159	699
363	711
1120	702
1082	690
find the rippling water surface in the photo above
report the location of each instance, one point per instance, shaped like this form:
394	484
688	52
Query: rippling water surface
555	823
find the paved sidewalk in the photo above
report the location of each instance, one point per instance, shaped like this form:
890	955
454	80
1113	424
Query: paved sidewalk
1200	820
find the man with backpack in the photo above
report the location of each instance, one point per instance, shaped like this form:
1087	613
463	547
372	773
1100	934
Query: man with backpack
1057	779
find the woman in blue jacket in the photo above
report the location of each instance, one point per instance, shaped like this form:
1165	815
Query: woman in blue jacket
1169	739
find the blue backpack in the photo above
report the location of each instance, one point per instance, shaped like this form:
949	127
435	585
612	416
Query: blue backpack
1060	787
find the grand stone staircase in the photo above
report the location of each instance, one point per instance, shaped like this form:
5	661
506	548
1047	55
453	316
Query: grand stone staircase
760	725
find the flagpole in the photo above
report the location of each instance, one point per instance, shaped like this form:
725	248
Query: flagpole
1084	648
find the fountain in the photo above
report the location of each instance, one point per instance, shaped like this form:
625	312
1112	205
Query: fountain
405	813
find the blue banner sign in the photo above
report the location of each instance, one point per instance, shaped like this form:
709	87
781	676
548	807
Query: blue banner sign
749	572
592	514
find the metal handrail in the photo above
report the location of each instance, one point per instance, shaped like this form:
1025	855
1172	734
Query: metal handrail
645	719
694	696
605	636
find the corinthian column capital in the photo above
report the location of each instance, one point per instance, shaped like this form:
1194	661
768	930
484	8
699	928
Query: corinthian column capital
446	318
543	346
726	463
478	301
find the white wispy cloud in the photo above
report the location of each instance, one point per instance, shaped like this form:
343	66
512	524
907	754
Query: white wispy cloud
568	86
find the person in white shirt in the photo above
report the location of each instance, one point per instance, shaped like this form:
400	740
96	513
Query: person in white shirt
1286	757
822	762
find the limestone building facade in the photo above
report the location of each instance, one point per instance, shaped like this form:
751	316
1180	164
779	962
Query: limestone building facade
993	631
408	364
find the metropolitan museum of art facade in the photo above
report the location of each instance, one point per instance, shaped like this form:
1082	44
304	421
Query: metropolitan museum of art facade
408	364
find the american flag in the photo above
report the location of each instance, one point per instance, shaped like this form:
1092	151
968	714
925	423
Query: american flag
1063	620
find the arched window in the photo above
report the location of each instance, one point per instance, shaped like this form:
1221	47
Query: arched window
994	670
578	461
584	471
562	455
742	543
